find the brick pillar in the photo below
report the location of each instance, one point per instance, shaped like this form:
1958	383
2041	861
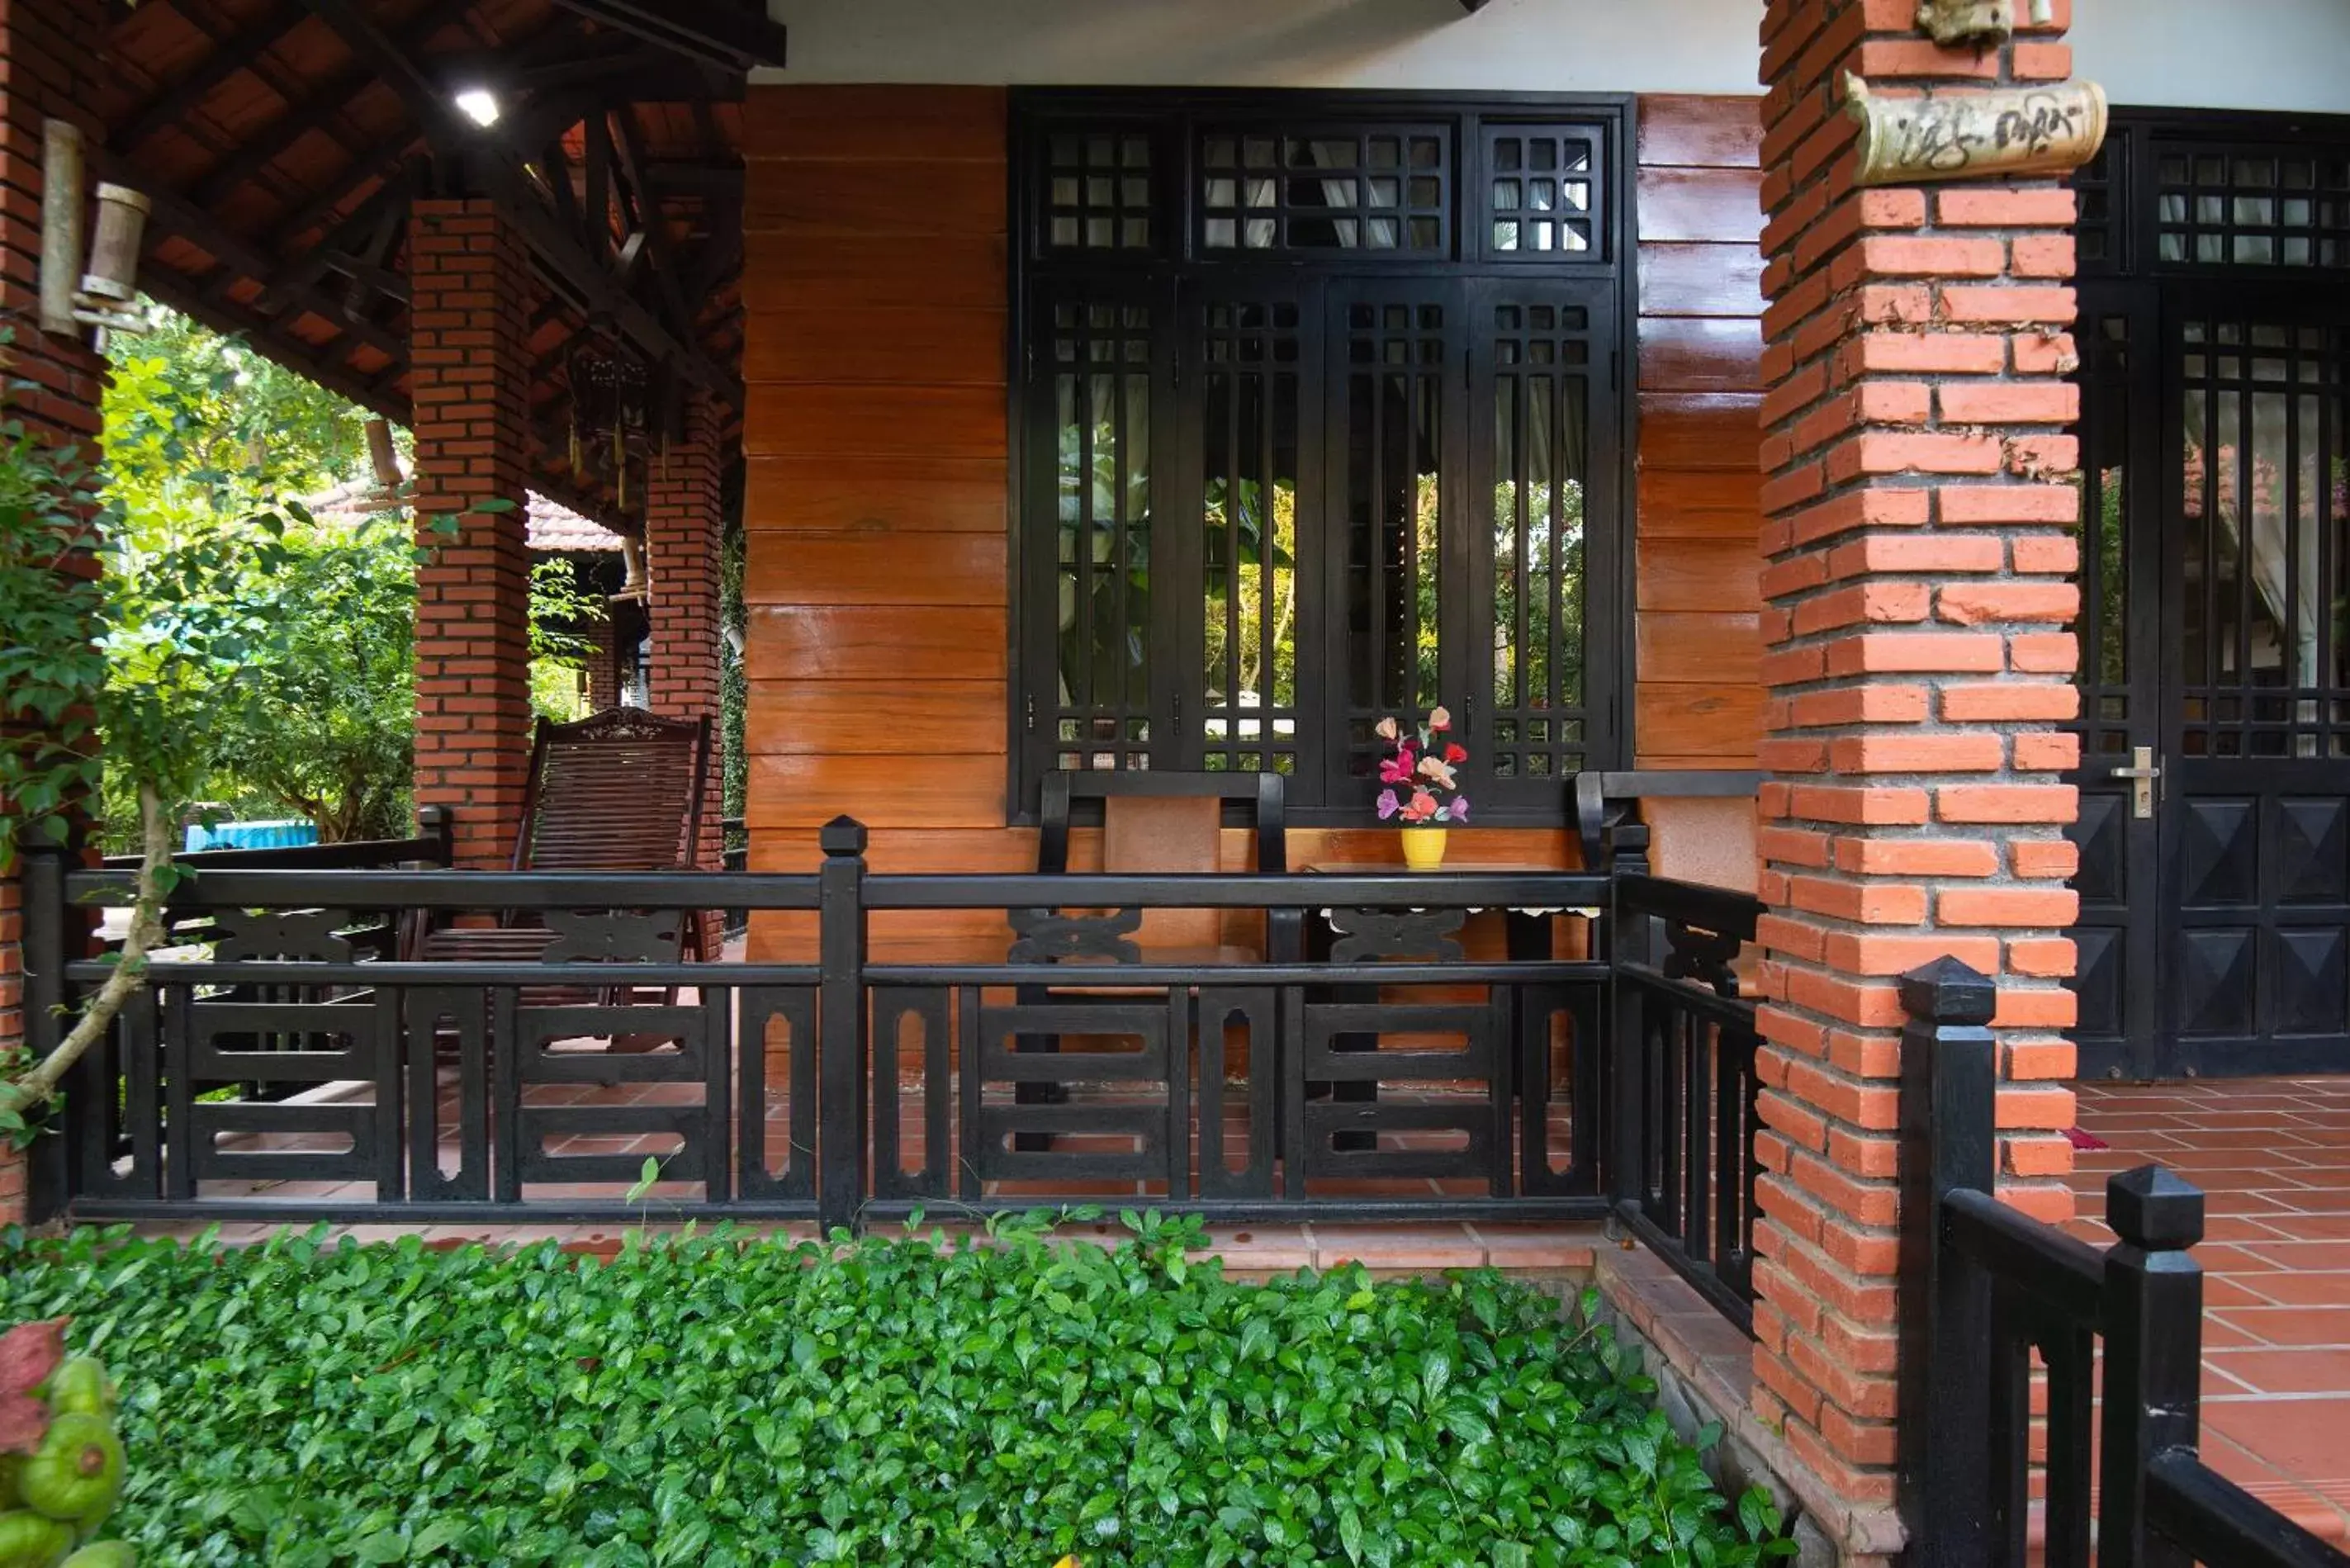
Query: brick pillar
681	543
469	386
1918	536
48	64
603	664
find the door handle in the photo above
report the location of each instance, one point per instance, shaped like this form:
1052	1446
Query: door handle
2142	773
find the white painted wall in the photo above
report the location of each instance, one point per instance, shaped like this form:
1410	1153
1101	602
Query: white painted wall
2216	54
2241	54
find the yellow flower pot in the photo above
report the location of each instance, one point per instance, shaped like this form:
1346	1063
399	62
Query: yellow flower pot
1423	848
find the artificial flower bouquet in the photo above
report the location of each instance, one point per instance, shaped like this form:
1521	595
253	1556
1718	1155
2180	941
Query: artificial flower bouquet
1419	771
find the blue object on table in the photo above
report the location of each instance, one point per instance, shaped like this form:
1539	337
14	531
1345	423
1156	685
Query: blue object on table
250	834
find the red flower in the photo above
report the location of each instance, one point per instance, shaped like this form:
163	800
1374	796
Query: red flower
1455	754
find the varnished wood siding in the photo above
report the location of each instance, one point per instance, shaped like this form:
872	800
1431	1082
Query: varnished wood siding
1699	699
875	479
874	449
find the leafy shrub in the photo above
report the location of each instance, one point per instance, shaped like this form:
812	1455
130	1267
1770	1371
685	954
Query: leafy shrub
722	1401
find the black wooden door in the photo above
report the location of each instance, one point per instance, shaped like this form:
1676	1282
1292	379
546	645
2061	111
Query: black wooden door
2117	936
2255	828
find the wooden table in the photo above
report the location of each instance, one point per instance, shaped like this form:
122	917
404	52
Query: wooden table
1529	930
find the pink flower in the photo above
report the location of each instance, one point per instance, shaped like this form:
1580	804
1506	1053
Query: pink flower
1387	729
1396	770
1422	807
1439	719
1388	805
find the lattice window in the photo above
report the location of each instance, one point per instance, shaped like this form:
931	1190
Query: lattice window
2265	546
1250	379
1397	356
1334	190
2104	675
1540	436
1097	191
2215	207
2096	236
1101	392
1542	191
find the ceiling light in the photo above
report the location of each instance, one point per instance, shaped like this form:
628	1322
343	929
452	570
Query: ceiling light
479	105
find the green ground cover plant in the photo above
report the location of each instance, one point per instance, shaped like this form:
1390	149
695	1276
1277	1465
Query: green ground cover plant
723	1401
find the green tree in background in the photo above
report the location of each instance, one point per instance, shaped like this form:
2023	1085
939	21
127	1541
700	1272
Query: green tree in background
203	437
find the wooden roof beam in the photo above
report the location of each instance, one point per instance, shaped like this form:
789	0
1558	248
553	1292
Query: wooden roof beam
716	31
564	263
225	315
314	113
174	102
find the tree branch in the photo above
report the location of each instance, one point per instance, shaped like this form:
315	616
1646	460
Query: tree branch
130	975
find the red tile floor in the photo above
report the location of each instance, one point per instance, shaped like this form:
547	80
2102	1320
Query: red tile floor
2273	1157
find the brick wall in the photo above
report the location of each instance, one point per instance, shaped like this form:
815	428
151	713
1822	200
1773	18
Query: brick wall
1919	541
681	542
469	278
603	664
48	64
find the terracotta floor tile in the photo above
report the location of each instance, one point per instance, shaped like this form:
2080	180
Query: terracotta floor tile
2327	1256
2291	1325
1395	1247
2286	1287
2306	1438
1538	1246
2288	1371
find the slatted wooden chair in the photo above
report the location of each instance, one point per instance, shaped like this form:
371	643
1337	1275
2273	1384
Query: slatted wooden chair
1163	823
617	791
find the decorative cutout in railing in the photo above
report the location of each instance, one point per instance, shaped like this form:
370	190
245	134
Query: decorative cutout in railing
1049	936
1410	933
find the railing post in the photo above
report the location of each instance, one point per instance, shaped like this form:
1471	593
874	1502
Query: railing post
1949	1085
841	1026
2154	1354
1624	1159
46	853
438	824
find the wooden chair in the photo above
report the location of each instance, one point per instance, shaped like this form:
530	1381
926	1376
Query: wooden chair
1162	824
617	791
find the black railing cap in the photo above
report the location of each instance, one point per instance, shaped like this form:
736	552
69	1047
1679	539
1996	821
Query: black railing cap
1948	990
841	835
2154	1208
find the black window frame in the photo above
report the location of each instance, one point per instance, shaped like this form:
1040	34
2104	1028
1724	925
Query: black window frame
1177	269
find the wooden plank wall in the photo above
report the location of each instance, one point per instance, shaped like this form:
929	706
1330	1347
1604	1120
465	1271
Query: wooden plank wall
1699	697
875	290
875	284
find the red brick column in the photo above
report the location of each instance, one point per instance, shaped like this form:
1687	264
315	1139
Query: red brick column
603	664
682	544
48	64
1918	536
470	385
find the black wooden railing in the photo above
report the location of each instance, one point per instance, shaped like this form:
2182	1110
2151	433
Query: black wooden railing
431	846
301	1064
1683	1084
1984	1286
